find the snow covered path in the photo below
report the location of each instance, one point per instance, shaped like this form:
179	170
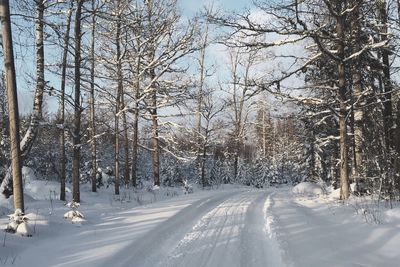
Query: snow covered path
216	228
227	230
230	227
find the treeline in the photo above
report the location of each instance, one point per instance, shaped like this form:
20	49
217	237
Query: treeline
349	98
137	94
136	101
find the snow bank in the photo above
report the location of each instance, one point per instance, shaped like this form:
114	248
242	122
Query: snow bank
392	215
307	188
42	190
335	194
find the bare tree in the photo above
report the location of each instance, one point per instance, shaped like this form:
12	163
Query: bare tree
241	91
210	110
201	153
340	31
167	43
93	141
76	140
12	104
31	133
119	92
62	100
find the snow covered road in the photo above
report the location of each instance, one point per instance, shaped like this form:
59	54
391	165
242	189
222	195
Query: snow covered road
227	230
229	227
216	228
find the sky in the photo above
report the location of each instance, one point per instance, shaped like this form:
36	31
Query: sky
25	89
190	7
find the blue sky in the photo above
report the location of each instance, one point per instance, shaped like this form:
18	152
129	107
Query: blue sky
190	7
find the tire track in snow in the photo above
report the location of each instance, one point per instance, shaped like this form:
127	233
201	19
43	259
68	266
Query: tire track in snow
214	240
155	244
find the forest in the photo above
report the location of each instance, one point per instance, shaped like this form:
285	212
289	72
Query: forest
129	94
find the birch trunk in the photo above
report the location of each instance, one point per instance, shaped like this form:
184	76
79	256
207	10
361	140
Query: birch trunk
30	135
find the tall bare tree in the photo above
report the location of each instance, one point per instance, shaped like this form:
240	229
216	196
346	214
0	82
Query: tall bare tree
340	31
11	84
92	101
31	133
62	100
76	139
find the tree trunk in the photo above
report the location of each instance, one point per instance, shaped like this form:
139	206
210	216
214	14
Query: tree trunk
126	143
77	107
344	175
153	108
264	135
201	144
154	119
116	140
397	129
358	105
12	105
28	140
136	122
30	135
387	84
203	165
92	104
3	107
62	103
118	102
235	166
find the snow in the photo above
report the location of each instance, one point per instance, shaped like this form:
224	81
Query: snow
307	188
392	216
230	226
321	231
335	194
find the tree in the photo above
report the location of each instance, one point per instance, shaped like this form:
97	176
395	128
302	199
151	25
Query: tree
201	153
241	91
76	139
93	141
168	41
340	17
12	100
210	110
119	92
62	101
31	133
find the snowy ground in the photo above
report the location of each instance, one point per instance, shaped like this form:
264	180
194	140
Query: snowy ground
231	226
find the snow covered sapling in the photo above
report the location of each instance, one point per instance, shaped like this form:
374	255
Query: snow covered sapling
18	223
187	188
74	215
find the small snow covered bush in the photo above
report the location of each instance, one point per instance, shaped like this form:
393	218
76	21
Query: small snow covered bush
74	215
187	188
18	223
307	188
